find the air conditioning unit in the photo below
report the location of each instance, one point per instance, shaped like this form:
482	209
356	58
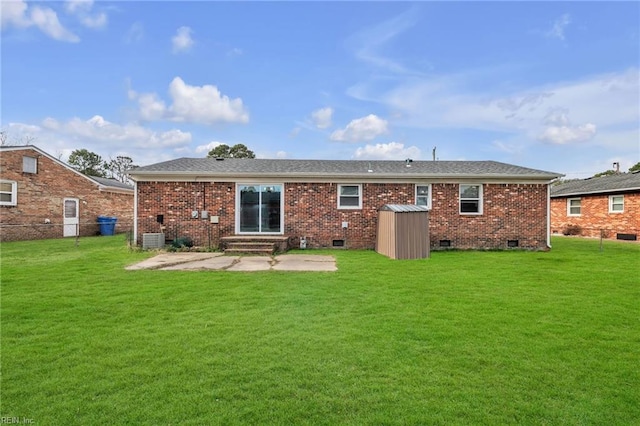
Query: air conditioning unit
152	241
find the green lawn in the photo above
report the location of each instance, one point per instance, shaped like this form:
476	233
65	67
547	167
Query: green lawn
462	338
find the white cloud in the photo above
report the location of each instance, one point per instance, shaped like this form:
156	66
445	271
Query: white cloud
78	6
606	101
371	41
557	117
295	132
151	107
97	128
20	130
47	21
134	34
95	21
182	41
204	104
204	149
82	10
14	13
191	104
387	151
19	14
568	134
50	124
322	117
509	148
559	26
361	129
144	145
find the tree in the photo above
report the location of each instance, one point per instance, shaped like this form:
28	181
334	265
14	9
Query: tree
237	151
117	168
7	140
605	173
86	162
635	167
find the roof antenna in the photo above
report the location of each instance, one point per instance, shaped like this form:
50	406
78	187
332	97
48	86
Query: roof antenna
616	167
433	153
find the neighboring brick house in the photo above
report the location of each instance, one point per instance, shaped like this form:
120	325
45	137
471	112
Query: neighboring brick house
327	203
607	206
42	197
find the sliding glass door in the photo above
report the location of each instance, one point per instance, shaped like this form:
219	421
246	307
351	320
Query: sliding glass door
260	209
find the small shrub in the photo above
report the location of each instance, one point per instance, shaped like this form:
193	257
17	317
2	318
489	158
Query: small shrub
182	242
572	230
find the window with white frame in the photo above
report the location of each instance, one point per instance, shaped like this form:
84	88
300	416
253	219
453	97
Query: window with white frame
423	195
29	164
8	193
574	207
616	204
349	196
471	199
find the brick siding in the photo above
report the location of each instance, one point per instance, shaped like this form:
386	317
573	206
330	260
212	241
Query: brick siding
595	217
41	196
511	212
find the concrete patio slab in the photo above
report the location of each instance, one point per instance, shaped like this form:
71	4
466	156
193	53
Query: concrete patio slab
169	259
252	263
194	261
218	262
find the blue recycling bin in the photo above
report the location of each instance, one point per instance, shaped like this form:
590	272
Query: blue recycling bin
107	225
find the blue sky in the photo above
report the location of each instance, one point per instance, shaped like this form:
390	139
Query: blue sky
548	85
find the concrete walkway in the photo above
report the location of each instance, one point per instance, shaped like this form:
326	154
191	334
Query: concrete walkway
218	261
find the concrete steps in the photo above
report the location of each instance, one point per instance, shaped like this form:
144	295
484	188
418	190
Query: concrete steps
254	244
250	248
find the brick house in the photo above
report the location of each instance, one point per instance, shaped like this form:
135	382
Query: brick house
42	197
606	205
334	203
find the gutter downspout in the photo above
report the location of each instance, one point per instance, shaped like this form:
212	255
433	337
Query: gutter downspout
548	215
135	213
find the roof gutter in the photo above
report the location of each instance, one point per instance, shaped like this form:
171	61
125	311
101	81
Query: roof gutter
364	176
104	188
601	191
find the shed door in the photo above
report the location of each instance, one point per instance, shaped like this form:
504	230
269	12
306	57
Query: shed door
71	217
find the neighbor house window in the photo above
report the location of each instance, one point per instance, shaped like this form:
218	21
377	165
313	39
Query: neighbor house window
29	165
423	195
574	206
616	204
8	193
349	196
470	199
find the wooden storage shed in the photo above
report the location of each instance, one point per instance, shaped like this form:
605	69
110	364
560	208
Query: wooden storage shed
403	231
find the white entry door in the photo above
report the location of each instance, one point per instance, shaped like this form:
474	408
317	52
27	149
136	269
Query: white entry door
71	217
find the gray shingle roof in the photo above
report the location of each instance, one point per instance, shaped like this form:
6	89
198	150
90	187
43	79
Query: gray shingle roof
604	184
111	183
337	168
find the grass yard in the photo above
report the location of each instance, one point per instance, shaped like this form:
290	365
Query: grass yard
462	338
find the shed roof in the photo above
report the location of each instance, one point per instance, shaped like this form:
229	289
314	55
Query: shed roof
404	208
619	182
242	167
